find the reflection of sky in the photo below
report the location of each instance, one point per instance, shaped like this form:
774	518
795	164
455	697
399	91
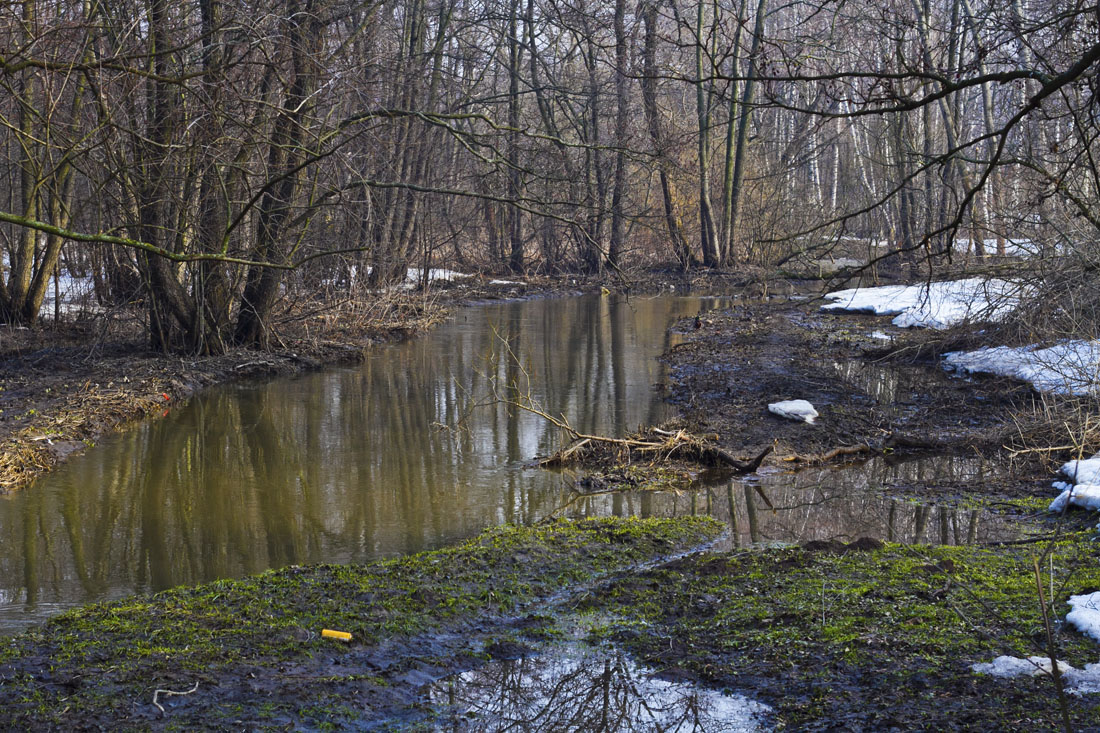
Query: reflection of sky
571	687
341	465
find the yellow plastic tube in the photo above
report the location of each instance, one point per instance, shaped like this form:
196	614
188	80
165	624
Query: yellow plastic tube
340	635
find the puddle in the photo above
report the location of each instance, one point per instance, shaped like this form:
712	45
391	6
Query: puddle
881	383
830	503
570	687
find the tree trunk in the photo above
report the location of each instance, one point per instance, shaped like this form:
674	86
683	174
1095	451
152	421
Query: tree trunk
284	156
649	104
740	251
614	250
708	236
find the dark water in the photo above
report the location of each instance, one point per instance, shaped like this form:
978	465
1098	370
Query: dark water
407	452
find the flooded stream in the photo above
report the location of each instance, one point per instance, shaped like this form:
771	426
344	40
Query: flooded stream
405	453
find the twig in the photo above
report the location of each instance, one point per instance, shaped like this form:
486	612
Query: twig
158	693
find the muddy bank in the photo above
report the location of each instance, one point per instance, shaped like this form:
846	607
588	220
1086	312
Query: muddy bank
872	396
249	653
61	390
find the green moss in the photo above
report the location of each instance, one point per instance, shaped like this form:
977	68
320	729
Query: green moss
103	658
790	619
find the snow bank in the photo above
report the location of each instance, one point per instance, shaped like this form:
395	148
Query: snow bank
936	305
1070	368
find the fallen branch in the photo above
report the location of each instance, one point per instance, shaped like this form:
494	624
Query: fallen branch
843	450
680	445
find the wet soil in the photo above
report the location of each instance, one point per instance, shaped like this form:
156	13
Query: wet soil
862	637
873	395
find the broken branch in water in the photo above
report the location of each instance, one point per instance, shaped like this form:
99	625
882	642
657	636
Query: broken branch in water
843	450
657	445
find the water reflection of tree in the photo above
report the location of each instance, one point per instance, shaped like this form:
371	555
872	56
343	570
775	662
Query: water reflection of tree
341	466
582	691
825	504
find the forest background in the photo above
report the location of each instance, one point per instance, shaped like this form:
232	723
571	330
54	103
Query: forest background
209	160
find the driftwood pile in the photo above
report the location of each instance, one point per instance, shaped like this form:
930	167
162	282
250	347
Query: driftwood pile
654	446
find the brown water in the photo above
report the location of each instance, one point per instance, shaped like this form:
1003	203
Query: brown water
395	457
338	466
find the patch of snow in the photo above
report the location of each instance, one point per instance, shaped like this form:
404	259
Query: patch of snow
1070	368
1013	247
936	305
505	282
881	335
1085	617
1077	681
1085	614
1084	471
793	410
1009	667
1086	496
415	275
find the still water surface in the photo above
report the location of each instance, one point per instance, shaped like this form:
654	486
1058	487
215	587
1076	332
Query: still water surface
343	465
405	453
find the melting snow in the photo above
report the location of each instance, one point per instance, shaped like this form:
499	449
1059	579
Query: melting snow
1083	487
1009	667
932	305
1071	367
1085	615
1086	496
1084	471
1077	681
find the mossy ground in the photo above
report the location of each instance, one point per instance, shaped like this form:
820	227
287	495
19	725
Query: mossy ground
254	647
863	640
869	637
